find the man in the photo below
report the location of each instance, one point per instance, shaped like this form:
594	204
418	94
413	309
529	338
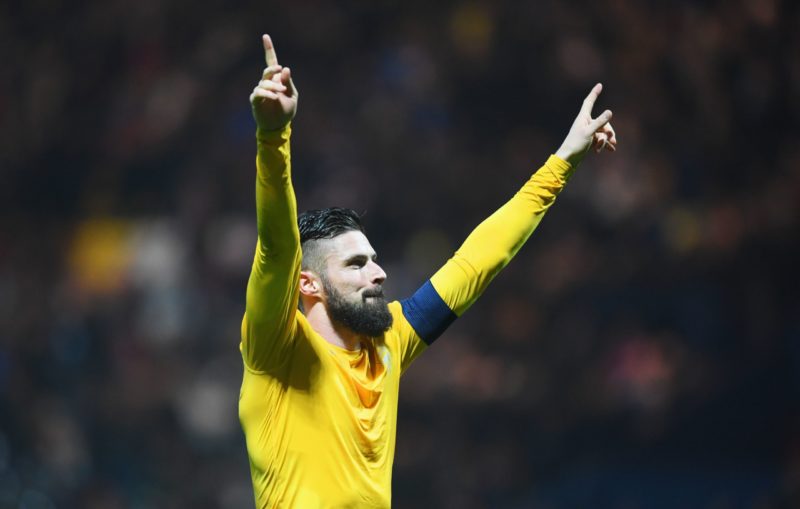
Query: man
318	402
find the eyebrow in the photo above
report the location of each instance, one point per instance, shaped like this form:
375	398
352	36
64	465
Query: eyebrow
360	258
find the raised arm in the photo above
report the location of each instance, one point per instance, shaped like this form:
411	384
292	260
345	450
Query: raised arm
497	239
271	304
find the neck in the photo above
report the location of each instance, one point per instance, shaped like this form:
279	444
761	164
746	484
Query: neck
331	332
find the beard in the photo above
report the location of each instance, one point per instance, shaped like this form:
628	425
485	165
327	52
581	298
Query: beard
369	317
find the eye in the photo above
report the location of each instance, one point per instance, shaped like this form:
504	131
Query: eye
357	263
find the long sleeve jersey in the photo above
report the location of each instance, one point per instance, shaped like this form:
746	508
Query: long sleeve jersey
320	420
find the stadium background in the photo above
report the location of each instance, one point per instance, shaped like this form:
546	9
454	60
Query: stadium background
642	351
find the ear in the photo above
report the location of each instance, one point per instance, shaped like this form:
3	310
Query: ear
310	285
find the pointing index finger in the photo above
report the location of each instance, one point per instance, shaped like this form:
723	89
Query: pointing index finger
269	50
588	103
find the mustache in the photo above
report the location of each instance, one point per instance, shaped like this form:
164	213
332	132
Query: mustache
373	292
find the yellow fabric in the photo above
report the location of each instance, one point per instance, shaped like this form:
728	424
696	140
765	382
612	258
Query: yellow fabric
320	421
497	239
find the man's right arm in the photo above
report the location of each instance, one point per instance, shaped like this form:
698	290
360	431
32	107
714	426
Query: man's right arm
269	320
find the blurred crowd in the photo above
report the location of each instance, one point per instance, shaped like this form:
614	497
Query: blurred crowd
642	350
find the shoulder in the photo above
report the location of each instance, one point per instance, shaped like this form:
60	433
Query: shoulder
401	328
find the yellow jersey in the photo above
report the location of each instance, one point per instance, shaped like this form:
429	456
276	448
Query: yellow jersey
319	420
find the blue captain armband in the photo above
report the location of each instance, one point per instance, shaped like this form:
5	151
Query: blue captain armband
427	313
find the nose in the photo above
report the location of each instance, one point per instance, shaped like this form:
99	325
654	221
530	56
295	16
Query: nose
377	276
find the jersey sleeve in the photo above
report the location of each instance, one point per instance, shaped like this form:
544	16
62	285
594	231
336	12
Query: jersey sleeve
408	344
270	315
489	248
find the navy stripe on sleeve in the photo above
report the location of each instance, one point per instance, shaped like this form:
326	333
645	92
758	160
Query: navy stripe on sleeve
427	313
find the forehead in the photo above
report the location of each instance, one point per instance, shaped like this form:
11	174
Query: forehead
349	244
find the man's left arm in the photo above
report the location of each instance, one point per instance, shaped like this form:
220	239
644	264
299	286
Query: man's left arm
490	247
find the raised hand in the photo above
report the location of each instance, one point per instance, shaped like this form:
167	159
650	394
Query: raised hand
274	100
587	132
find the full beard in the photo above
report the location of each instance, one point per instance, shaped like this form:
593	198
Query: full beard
370	317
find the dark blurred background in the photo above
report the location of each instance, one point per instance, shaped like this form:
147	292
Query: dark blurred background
642	351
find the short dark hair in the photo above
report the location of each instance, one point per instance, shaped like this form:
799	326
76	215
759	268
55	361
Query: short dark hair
321	224
327	223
